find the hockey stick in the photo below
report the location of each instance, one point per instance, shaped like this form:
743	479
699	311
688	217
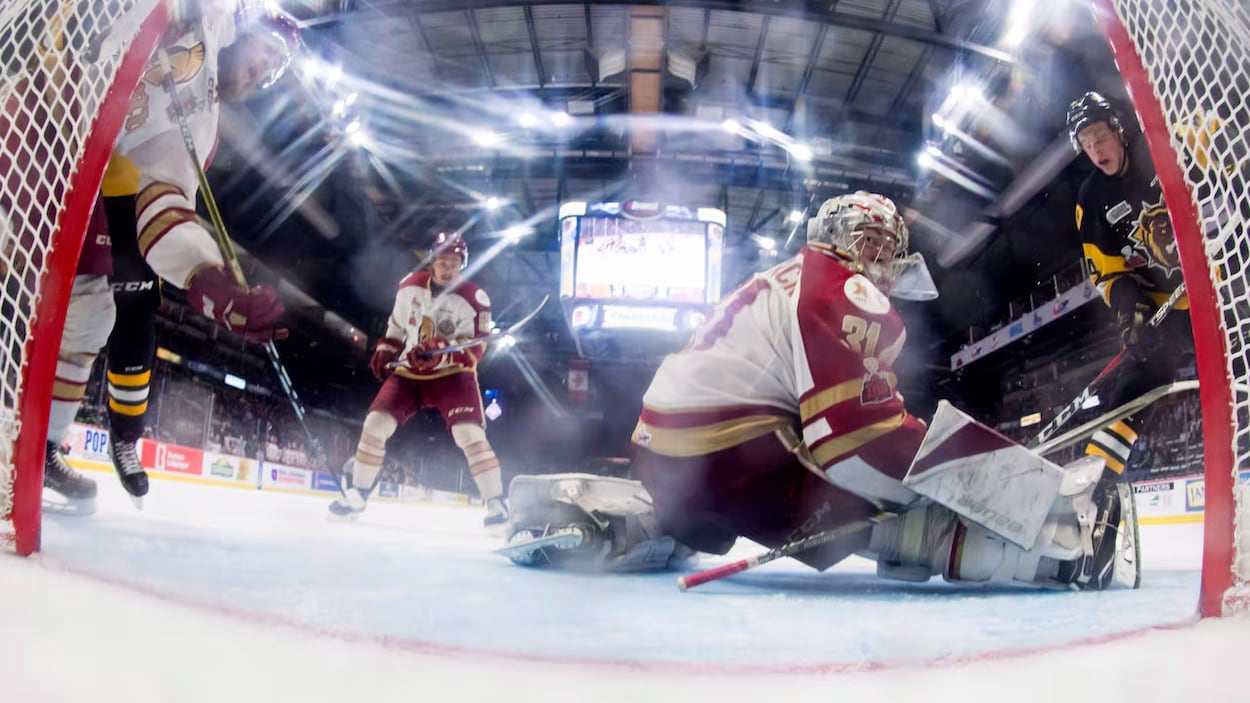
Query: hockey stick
232	257
488	339
685	583
1066	413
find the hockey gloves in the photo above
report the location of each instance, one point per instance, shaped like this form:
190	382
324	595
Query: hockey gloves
250	313
427	356
430	355
386	353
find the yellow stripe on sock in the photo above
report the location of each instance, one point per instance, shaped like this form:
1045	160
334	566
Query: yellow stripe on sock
1124	431
130	379
1113	462
131	410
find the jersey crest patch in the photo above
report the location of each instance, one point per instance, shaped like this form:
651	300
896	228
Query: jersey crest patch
1153	238
1118	212
876	386
481	298
865	296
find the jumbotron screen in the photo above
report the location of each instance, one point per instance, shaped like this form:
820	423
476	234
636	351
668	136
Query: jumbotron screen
641	251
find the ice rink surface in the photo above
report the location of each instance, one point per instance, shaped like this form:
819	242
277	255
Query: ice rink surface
216	594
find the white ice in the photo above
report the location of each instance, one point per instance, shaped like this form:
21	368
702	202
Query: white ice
214	594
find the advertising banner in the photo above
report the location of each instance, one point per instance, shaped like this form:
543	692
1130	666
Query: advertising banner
88	443
279	476
230	468
323	481
171	458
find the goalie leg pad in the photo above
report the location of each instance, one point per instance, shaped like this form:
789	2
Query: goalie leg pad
615	516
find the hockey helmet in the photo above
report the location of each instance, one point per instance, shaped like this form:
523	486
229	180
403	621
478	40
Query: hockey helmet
275	26
843	223
1089	109
450	243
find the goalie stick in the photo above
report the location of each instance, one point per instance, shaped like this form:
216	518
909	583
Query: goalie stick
232	257
685	583
1066	413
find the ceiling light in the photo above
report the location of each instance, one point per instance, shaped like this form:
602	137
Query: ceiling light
485	137
528	120
561	119
731	126
800	152
796	216
492	203
516	233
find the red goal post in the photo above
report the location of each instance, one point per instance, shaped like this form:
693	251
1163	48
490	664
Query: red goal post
67	69
1185	64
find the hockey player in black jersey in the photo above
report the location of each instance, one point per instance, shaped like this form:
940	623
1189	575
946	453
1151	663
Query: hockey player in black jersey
1127	237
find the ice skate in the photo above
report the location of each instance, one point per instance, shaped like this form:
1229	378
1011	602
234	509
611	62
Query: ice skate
349	506
1116	556
126	462
76	492
496	512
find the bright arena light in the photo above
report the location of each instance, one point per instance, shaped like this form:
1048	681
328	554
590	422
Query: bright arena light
561	119
924	160
492	203
796	216
800	152
528	120
765	242
485	137
507	342
516	233
731	126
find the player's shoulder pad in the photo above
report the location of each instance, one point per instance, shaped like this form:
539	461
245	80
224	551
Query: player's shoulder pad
420	279
473	295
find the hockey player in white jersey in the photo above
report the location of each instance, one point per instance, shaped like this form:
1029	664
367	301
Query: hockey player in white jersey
212	53
433	309
782	419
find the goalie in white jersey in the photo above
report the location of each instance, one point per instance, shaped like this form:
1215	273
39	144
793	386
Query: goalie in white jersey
433	309
781	419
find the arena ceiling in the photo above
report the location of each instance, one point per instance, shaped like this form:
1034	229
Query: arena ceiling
406	117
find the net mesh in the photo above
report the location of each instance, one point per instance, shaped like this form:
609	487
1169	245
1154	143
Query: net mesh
1196	54
57	63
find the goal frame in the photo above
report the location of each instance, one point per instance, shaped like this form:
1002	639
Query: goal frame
1211	346
55	281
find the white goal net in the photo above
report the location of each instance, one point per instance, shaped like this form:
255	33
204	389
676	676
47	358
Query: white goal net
67	70
1187	67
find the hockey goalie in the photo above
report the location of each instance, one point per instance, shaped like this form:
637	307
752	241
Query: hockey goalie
781	419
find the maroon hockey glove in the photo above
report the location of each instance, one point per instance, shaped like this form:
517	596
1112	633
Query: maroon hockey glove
385	354
426	356
251	314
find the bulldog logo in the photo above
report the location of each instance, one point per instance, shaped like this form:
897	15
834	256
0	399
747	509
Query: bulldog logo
1153	239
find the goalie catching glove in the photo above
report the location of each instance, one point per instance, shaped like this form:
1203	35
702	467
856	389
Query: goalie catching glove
250	313
385	354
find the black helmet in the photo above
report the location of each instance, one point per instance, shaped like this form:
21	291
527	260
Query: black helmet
1088	109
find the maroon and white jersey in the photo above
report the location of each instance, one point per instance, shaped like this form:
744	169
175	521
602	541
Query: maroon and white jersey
457	314
171	238
96	258
807	342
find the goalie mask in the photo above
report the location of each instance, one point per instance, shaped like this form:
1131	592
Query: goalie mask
867	229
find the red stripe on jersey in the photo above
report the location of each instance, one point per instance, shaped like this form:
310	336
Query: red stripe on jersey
741	298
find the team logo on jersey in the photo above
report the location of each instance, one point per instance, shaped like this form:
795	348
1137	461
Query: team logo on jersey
865	296
184	64
446	327
481	298
1152	239
877	387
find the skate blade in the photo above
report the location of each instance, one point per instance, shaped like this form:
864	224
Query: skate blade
138	501
350	517
76	507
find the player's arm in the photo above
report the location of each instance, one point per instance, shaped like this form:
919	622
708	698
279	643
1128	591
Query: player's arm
390	346
473	321
1111	273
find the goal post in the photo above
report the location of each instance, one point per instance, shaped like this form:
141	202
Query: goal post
67	70
1185	65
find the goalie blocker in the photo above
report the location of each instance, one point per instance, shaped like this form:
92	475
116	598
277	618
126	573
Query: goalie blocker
985	511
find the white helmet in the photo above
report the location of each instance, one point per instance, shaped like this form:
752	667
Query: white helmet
842	222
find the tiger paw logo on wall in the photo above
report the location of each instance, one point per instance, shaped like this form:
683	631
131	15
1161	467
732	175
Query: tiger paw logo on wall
1153	238
876	386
